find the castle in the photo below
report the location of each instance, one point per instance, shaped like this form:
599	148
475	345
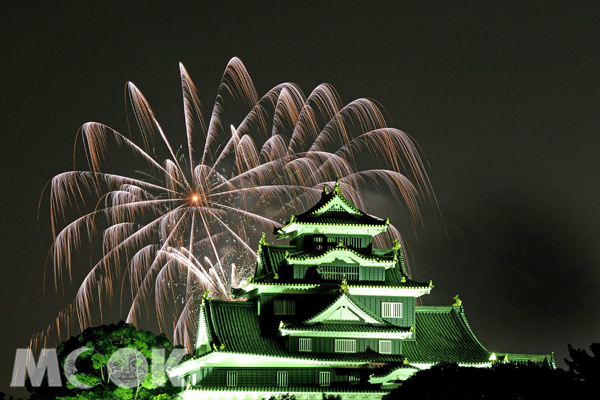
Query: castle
328	313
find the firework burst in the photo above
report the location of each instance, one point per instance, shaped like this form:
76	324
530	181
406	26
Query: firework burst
180	220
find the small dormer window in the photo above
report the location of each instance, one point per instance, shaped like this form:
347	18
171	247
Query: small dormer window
318	243
232	378
385	347
391	310
282	378
339	272
324	378
345	346
305	344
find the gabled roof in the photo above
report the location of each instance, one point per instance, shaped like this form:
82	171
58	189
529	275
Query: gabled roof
341	252
443	334
344	316
335	210
342	304
234	328
336	205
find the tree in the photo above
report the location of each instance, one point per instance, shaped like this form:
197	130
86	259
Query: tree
583	366
113	362
504	381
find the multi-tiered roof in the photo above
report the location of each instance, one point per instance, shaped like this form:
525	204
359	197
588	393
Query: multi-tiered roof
328	313
333	232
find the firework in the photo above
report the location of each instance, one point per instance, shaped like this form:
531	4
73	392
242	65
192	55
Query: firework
165	221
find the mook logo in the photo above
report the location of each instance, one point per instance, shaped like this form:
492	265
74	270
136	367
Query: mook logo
126	367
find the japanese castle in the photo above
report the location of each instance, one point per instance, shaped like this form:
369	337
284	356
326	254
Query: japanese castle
328	314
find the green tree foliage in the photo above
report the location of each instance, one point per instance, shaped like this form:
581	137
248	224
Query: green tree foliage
96	368
504	381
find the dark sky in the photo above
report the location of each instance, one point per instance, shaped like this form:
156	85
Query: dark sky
503	98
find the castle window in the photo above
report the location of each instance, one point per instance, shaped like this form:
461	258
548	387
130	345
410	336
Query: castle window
305	344
354	378
324	378
285	307
339	272
391	310
232	378
385	346
282	378
318	243
345	346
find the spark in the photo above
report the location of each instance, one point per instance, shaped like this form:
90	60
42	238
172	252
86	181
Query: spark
176	221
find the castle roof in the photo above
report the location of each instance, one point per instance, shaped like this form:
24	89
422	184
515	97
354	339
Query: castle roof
347	301
442	333
344	316
235	326
271	269
358	310
335	211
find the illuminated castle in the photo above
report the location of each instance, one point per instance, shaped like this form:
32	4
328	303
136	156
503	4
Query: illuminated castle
328	314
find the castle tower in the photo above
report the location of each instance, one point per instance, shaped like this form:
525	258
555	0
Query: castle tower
328	313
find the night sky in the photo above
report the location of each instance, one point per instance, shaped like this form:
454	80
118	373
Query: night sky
502	97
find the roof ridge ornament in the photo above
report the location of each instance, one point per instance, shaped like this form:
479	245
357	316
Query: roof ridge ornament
336	188
205	297
220	348
458	302
344	286
263	240
397	245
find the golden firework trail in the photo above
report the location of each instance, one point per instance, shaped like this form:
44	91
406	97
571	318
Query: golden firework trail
179	220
